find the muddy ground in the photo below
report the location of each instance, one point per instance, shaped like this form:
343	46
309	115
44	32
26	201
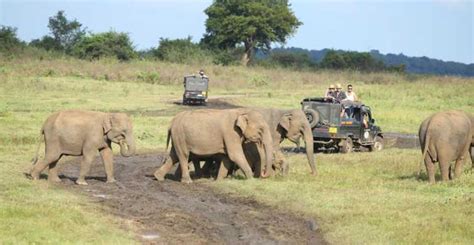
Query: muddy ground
171	212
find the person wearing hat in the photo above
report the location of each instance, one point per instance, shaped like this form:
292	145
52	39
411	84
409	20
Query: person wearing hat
339	95
201	73
330	92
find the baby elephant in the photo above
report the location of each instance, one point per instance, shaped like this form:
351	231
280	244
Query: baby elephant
445	137
83	133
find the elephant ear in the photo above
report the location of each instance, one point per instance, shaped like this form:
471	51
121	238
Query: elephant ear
107	124
285	121
242	122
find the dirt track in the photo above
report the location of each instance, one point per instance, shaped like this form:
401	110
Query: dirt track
172	212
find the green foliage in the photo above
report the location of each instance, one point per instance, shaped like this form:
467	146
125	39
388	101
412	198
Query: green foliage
65	33
149	77
46	42
9	42
180	51
294	60
106	44
255	24
361	61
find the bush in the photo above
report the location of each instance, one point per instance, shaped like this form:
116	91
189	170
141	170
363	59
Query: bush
107	44
9	42
181	51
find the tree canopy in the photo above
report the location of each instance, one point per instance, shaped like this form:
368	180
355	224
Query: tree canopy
255	24
9	42
106	44
65	32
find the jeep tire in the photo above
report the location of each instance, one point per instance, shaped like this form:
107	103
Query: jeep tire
312	116
346	145
378	144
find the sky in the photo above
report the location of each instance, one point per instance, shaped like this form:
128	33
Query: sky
441	29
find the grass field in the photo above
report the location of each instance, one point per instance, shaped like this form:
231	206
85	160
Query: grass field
358	198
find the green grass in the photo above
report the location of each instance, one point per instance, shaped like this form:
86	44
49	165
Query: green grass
370	198
359	198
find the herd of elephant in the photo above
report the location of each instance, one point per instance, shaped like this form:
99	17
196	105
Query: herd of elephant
248	138
245	137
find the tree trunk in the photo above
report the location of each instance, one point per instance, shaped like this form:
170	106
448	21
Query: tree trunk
247	56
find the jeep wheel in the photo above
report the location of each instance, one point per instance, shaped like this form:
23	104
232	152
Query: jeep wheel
312	116
346	145
378	144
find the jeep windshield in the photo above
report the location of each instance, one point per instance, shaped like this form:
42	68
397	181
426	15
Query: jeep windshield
196	84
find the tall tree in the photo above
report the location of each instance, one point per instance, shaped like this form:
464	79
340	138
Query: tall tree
65	32
253	23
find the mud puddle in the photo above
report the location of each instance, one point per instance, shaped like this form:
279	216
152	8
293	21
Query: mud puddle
170	212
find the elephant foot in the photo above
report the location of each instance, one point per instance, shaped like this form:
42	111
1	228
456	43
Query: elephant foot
186	180
81	182
54	179
112	180
34	175
159	176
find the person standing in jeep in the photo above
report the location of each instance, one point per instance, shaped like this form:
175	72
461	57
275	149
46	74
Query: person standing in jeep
339	95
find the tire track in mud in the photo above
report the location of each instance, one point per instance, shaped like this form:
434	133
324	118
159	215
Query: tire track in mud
170	212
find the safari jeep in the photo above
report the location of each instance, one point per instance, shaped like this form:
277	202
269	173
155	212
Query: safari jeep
195	90
345	127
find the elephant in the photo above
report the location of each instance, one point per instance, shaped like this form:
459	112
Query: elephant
445	137
83	133
207	132
284	124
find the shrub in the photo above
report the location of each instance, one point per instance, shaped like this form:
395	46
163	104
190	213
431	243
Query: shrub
106	44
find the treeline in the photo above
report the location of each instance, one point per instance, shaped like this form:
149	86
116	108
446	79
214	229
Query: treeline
419	65
335	60
69	37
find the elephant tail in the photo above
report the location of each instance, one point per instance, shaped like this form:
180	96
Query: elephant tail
168	139
425	151
41	140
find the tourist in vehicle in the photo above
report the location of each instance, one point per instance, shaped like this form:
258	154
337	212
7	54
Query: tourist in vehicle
339	95
330	92
350	94
201	73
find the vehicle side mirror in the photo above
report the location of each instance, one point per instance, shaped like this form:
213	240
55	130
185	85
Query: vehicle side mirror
372	121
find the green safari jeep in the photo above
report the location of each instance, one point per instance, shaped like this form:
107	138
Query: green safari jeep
345	126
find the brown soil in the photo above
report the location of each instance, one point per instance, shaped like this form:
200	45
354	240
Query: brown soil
170	212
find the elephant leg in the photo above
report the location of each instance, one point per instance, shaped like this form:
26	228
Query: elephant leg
239	159
444	167
53	172
206	168
86	162
166	167
458	167
50	157
224	168
430	169
197	168
108	161
282	163
185	177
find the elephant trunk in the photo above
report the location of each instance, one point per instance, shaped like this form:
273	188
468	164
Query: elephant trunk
127	146
308	140
268	149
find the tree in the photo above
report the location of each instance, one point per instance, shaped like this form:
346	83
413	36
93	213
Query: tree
179	51
106	44
65	32
255	24
9	42
46	42
333	60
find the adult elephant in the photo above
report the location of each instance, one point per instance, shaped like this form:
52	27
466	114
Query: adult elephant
284	124
83	133
445	137
210	132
